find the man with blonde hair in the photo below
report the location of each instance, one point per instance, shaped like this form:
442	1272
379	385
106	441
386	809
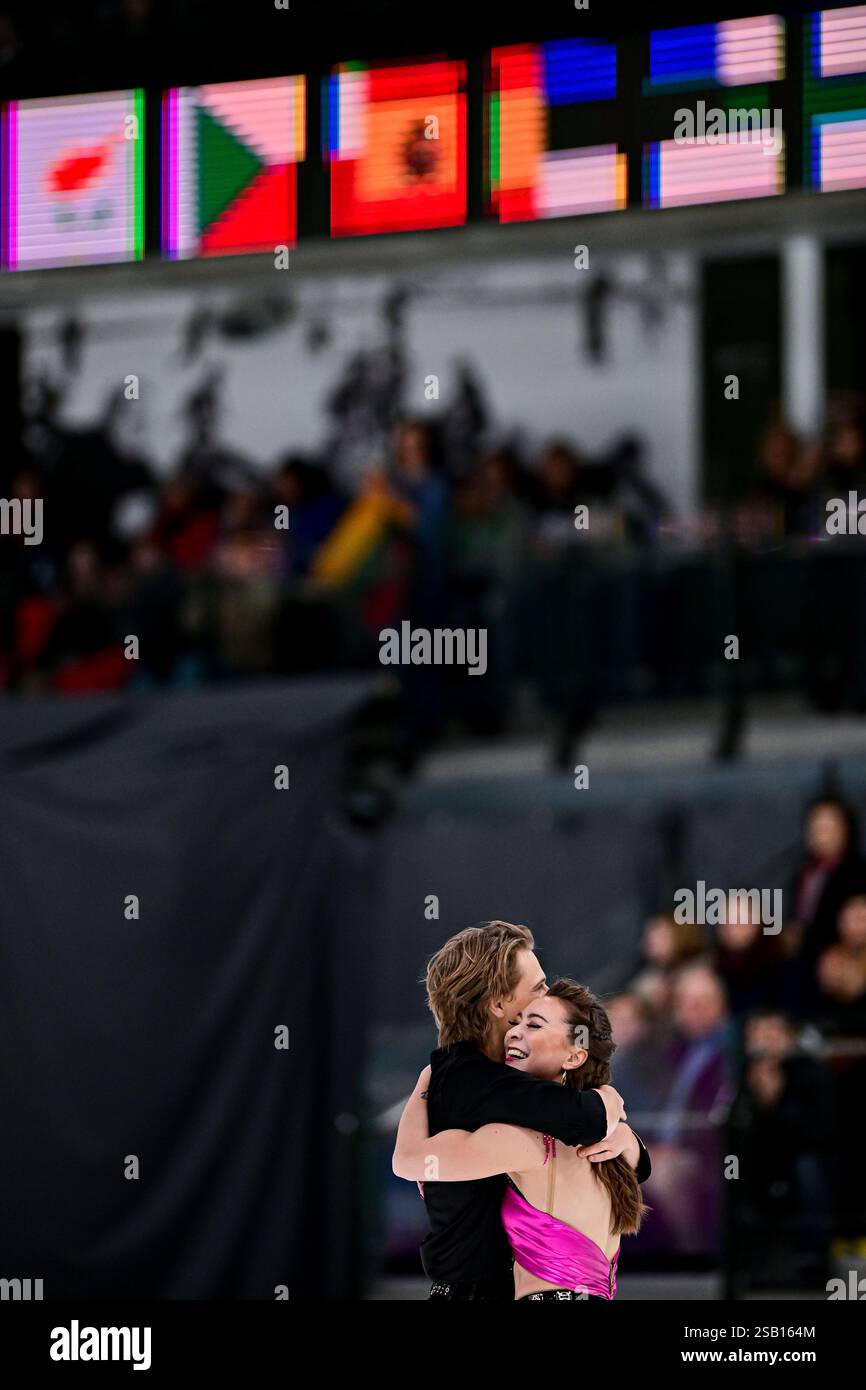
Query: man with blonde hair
478	984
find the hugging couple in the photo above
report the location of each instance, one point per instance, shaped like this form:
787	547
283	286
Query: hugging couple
515	1136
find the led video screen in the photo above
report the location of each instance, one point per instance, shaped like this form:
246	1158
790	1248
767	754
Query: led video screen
714	113
741	166
229	166
73	180
834	99
732	53
394	137
543	158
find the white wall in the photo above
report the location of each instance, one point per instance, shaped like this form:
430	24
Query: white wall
517	323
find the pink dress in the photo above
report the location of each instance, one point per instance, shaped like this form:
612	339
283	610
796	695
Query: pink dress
551	1250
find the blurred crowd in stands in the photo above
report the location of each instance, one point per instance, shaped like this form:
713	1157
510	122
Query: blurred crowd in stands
221	572
796	476
755	1041
214	569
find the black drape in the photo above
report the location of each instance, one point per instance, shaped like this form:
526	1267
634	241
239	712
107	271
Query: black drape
154	1037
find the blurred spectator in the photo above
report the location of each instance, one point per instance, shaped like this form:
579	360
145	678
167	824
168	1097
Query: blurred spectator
235	611
247	540
187	523
28	585
665	945
845	468
84	651
489	527
783	500
29	569
841	974
643	503
698	1063
556	496
781	1129
832	872
487	553
639	1038
621	499
749	961
685	1143
415	477
314	507
153	610
365	559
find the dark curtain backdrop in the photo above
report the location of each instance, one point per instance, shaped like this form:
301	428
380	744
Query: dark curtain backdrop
155	1037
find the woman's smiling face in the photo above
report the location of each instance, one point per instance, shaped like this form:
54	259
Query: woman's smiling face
542	1041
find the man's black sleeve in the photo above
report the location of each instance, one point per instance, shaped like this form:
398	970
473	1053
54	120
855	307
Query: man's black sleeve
495	1094
644	1166
492	1093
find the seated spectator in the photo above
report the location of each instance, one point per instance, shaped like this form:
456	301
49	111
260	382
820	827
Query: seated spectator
841	974
833	871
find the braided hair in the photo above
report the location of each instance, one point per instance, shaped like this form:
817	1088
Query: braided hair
585	1012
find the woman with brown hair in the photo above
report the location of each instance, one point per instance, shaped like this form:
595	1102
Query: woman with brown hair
564	1209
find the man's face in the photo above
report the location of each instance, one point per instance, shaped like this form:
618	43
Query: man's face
826	833
768	1037
699	1004
530	985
